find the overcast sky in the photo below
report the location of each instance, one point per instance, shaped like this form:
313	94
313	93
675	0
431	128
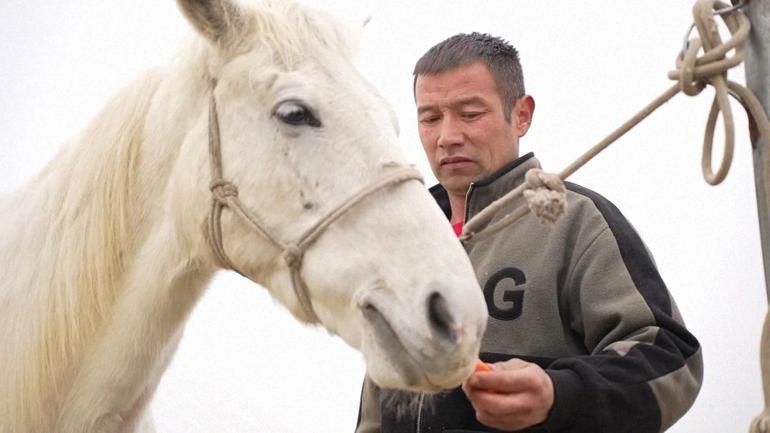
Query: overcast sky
245	365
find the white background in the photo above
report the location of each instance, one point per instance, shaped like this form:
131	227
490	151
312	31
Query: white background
244	364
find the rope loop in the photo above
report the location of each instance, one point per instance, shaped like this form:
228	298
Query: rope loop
694	72
761	424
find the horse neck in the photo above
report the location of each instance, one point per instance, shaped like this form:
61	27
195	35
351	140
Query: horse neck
71	241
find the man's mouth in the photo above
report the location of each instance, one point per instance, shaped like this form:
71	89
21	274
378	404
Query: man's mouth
455	160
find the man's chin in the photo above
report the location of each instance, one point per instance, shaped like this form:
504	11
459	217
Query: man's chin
458	182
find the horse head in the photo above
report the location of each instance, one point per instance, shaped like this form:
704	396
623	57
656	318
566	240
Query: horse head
312	198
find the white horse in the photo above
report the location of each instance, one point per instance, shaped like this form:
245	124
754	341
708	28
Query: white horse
261	149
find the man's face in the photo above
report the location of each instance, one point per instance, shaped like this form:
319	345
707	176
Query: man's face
462	125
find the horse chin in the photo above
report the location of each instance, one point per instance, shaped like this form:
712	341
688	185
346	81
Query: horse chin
401	376
410	378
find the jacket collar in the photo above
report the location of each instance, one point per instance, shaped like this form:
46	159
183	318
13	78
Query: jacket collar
483	192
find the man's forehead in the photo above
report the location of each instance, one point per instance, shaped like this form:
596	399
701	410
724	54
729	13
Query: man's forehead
462	82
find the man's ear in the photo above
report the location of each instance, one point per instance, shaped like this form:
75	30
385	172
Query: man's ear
523	110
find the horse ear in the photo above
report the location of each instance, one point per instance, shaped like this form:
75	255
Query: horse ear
220	21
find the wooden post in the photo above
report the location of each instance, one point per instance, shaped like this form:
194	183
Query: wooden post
758	80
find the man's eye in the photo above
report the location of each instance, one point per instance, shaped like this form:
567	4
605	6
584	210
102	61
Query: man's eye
295	113
429	120
470	115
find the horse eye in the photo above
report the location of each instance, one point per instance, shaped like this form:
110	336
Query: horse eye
295	113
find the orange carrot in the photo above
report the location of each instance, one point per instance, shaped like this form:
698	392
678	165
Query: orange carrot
482	366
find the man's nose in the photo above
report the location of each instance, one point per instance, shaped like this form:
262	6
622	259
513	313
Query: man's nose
450	133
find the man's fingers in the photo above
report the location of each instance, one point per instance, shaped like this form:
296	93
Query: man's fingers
508	423
504	411
501	403
512	364
495	403
520	379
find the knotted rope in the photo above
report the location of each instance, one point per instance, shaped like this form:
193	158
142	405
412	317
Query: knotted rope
545	194
693	73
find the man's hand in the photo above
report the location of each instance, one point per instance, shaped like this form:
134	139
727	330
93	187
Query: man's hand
513	396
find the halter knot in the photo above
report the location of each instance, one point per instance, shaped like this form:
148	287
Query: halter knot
222	189
292	255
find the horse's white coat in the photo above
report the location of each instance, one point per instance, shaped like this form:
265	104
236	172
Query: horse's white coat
242	365
104	253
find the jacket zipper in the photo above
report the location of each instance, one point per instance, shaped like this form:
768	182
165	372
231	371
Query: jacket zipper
467	202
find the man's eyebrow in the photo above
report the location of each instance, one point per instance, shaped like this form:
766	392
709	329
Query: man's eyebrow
425	108
460	102
469	100
428	107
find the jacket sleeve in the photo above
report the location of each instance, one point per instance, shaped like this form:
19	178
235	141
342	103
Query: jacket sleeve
369	416
643	369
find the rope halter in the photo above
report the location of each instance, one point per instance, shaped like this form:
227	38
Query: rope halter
225	195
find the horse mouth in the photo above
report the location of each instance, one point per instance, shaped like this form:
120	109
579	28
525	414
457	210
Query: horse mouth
408	367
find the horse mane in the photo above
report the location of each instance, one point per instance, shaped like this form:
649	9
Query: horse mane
88	199
81	212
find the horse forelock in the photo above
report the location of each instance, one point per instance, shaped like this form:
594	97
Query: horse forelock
293	32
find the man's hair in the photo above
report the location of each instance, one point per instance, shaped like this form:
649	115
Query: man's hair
498	55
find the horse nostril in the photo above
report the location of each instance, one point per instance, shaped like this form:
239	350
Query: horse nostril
439	317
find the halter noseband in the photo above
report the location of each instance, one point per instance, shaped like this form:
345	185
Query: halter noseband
225	194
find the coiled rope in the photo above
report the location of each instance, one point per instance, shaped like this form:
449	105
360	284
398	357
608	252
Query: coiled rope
546	195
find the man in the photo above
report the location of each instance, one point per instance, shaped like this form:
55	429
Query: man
583	335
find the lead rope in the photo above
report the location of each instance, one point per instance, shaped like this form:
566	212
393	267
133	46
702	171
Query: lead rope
545	192
693	73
